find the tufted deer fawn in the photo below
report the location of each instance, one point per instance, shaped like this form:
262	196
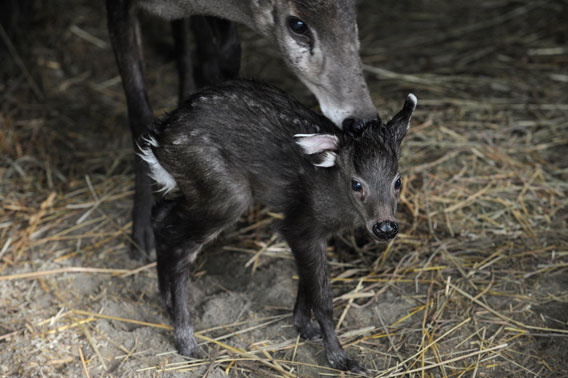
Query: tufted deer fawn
243	141
317	38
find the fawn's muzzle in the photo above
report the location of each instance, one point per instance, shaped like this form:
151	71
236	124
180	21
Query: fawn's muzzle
385	230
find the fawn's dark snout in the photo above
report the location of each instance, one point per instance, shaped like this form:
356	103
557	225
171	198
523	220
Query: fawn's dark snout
385	230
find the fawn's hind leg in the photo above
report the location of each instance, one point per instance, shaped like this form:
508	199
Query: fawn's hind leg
161	215
179	240
181	232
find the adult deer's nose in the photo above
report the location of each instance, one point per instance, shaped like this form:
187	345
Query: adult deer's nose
385	230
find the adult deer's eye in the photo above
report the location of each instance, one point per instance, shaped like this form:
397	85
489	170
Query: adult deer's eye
397	184
297	26
356	186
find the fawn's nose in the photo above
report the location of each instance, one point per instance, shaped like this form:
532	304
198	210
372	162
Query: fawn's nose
385	230
356	125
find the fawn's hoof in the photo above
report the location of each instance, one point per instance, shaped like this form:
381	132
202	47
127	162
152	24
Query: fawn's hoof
187	346
342	362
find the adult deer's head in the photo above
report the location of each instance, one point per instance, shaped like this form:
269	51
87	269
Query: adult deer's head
319	41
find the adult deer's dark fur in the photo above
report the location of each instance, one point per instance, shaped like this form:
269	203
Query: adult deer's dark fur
317	39
244	141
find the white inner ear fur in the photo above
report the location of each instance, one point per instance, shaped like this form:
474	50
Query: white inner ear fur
316	143
328	160
412	98
323	144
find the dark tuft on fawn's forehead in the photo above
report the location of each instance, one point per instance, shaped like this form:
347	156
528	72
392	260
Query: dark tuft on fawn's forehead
374	150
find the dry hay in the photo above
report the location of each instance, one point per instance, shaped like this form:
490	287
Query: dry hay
475	284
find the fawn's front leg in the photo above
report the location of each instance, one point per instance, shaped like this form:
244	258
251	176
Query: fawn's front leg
315	293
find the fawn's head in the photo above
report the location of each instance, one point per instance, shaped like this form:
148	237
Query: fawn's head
368	165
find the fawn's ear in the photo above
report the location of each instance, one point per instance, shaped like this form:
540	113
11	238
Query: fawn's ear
400	123
320	148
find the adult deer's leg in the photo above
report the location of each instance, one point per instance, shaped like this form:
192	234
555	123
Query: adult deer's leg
124	36
218	50
180	30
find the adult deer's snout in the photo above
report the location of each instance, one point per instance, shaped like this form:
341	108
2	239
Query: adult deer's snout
356	126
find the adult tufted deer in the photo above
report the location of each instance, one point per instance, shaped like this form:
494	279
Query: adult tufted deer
243	141
317	38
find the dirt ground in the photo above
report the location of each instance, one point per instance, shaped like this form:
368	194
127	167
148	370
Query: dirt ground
475	285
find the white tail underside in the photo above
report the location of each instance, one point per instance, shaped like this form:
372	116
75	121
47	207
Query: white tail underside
157	172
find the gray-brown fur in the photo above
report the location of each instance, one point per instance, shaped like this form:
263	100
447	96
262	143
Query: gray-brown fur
233	144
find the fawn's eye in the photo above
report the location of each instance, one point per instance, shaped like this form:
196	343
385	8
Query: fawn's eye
397	184
297	26
356	186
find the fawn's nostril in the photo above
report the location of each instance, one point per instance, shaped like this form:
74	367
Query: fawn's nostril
385	230
385	227
394	231
376	230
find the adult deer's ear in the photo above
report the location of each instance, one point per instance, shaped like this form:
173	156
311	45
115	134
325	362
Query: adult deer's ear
400	123
320	148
